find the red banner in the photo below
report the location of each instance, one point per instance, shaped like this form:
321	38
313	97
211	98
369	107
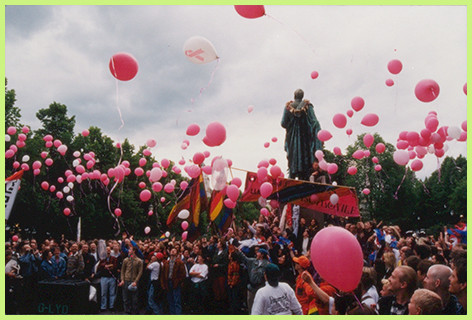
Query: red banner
314	196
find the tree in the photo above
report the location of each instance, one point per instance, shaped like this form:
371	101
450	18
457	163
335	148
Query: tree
12	113
56	123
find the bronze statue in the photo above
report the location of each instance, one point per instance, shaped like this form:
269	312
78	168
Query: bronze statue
301	140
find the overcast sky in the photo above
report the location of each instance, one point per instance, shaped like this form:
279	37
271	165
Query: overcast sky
61	53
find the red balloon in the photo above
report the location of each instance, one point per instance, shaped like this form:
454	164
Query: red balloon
145	195
395	66
370	120
427	90
389	82
340	264
339	120
15	238
66	211
352	170
193	129
198	158
350	113
123	66
416	165
368	140
215	134
314	74
45	185
250	12
380	147
118	212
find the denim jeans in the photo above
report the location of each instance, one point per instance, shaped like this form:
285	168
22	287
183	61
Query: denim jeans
108	287
130	299
174	299
153	305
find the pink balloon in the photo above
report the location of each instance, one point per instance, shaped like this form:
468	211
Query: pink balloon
215	134
401	157
349	132
169	188
263	163
332	168
193	129
142	185
44	154
194	171
357	103
48	144
250	12
165	163
413	138
265	212
378	167
147	152
323	165
184	235
71	178
463	136
358	154
22	137
123	66
319	155
157	186
416	165
464	125
366	191
266	189
118	212
339	120
229	204
250	109
25	129
464	88
427	90
352	170
85	133
11	130
380	147
395	66
272	161
16	165
206	169
232	192
45	185
14	148
57	143
62	149
262	173
432	124
14	238
340	264
375	160
184	225
150	213
59	194
275	171
48	162
138	172
163	199
47	137
25	166
274	203
151	143
324	135
368	140
20	143
389	82
266	145
439	153
370	120
337	151
145	195
9	153
183	185
66	211
314	74
198	158
237	182
366	153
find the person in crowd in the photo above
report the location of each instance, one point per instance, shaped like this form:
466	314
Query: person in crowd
172	278
422	270
59	263
219	272
255	267
425	302
108	271
93	251
89	263
403	282
303	291
458	281
199	276
75	263
131	272
47	267
437	280
12	269
275	298
386	288
155	290
234	283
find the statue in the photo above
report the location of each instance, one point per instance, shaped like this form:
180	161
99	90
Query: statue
301	140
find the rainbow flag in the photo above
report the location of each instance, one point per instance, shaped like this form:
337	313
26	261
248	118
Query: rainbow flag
221	215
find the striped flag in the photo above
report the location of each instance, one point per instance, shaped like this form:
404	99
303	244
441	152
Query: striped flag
12	185
221	215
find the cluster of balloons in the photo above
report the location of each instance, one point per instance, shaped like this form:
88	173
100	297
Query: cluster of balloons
412	145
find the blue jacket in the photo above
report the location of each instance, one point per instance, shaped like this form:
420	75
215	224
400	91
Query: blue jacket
27	265
47	269
60	267
139	254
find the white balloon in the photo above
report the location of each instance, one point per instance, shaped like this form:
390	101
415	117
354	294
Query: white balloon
147	230
454	132
25	158
70	198
75	163
167	234
156	174
184	214
66	189
71	185
219	174
334	198
76	154
199	50
431	149
334	183
78	178
7	138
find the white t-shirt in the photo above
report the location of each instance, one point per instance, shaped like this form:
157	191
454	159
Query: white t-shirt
373	293
202	269
155	267
278	300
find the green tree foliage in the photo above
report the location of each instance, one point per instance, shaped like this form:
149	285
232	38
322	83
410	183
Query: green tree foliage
12	113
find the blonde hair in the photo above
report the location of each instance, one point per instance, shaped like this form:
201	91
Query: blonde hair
389	259
428	301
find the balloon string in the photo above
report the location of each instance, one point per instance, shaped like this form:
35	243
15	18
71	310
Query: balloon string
403	179
294	30
118	105
209	82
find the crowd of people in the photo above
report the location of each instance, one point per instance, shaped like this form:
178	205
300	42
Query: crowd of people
257	268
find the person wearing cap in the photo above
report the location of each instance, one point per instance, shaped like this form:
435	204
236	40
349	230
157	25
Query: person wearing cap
303	291
131	272
275	298
255	267
154	289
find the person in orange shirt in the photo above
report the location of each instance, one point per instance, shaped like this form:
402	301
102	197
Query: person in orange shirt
304	293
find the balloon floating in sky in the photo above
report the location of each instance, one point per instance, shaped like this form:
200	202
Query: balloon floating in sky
250	12
324	135
357	103
193	129
389	82
370	120
215	134
401	157
339	120
123	66
314	74
250	109
464	88
199	50
427	90
395	66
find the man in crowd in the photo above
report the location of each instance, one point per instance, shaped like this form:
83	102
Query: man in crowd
155	289
437	280
458	281
425	302
107	270
75	263
131	272
172	278
403	283
303	291
89	263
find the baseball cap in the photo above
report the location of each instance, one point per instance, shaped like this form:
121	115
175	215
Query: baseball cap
302	261
159	255
263	251
272	271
